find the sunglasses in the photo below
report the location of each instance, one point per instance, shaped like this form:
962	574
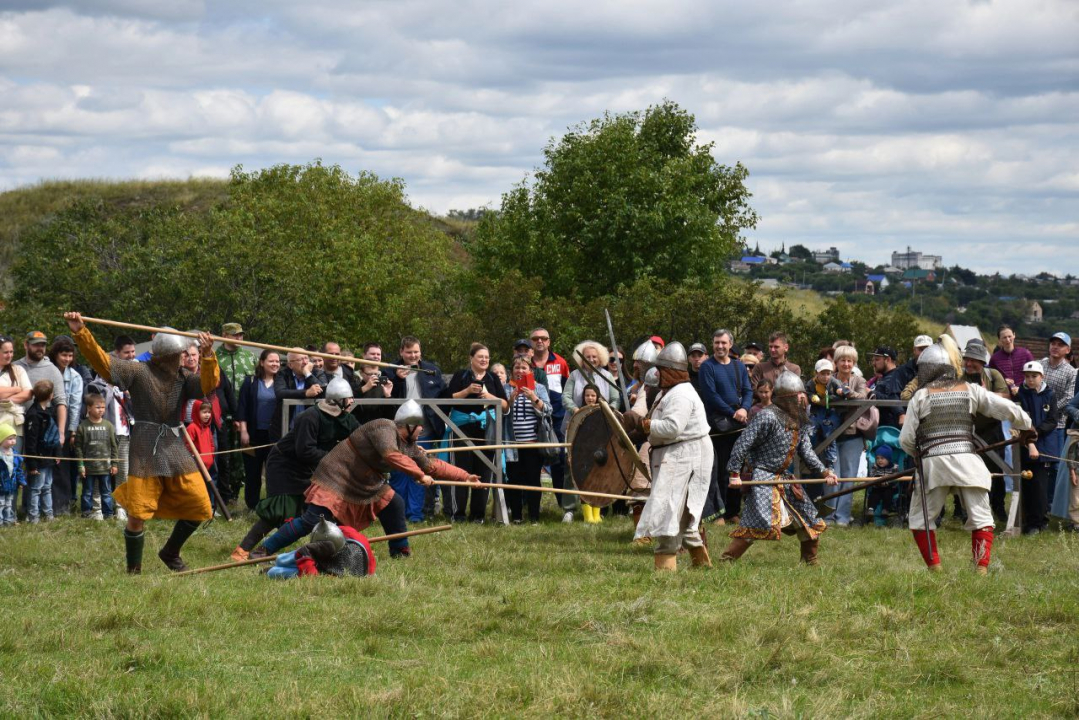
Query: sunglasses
537	338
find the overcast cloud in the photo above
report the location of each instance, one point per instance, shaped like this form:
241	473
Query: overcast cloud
952	127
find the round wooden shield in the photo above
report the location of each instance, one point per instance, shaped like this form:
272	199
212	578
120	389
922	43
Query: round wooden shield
599	459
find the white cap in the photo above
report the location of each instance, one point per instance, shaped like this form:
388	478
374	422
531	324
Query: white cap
1034	366
824	364
923	341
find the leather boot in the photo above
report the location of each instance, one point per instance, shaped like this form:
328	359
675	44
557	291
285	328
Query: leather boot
666	563
809	552
735	550
170	553
133	544
700	556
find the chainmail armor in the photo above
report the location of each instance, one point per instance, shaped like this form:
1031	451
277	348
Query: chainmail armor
936	376
350	560
947	428
158	397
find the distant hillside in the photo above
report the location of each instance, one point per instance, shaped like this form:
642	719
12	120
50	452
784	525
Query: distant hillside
27	206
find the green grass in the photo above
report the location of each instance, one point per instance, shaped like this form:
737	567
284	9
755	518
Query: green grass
550	620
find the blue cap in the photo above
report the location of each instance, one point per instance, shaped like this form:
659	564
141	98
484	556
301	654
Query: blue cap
1063	337
884	451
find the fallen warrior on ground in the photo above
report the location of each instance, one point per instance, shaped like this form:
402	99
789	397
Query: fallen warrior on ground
332	550
349	485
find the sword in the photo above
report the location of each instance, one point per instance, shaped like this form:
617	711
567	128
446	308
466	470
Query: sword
617	362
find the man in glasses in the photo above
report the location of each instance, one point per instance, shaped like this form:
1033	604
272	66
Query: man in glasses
557	371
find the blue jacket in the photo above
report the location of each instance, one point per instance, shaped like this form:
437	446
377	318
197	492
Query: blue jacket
10	481
724	388
1042	407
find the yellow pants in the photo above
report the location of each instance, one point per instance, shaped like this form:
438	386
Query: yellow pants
183	497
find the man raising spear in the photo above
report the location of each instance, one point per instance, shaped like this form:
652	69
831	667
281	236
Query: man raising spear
163	480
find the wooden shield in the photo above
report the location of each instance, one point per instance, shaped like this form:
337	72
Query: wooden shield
600	459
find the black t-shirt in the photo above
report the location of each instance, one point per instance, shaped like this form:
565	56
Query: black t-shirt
463	378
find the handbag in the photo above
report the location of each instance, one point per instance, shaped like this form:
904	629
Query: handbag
867	423
545	434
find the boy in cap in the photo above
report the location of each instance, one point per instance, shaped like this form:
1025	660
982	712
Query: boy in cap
1039	402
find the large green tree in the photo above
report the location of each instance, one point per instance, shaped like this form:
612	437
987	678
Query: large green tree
618	199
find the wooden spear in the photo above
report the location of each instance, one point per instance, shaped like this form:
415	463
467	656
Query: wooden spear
530	488
250	343
862	482
206	474
271	558
504	446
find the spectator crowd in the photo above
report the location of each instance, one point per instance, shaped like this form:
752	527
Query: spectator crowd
60	425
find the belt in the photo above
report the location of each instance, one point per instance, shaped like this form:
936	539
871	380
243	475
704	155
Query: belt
679	442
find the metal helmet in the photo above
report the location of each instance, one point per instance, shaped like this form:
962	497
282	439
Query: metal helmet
326	530
410	413
338	389
646	353
939	363
166	344
673	356
935	354
787	383
651	378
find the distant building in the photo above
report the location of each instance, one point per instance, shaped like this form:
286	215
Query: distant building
879	281
892	270
824	256
834	267
914	259
962	334
865	286
737	266
917	274
1034	312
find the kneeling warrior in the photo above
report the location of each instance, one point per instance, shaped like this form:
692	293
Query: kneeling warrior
938	433
350	487
331	550
294	458
681	462
163	481
768	445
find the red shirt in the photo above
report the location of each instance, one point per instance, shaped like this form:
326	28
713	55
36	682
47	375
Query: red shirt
557	370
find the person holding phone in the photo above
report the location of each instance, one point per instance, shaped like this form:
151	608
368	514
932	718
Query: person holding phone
528	402
475	382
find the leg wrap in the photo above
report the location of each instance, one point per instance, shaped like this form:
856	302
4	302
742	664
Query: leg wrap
287	534
927	544
981	544
256	533
133	545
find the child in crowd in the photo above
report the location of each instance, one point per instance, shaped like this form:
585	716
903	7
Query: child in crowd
590	396
882	498
764	395
1039	401
97	450
202	434
821	390
41	438
11	474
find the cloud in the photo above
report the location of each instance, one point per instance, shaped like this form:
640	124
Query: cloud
868	126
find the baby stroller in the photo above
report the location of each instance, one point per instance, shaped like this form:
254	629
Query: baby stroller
890	499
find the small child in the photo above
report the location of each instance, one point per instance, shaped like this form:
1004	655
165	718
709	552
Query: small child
882	497
11	474
764	397
590	396
41	437
1039	402
203	436
96	448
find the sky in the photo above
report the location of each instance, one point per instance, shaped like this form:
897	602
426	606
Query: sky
949	127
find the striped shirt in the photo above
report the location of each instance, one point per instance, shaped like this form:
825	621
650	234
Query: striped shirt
523	416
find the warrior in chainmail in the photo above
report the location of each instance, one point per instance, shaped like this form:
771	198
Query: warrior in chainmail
768	446
349	485
163	480
939	434
331	550
681	464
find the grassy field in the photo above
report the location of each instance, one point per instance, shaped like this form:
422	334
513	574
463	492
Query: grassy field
547	620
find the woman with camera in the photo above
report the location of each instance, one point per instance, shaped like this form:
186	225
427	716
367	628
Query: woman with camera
475	382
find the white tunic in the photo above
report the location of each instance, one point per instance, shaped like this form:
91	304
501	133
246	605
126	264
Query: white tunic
680	461
963	469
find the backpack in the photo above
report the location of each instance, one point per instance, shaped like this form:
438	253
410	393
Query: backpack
50	443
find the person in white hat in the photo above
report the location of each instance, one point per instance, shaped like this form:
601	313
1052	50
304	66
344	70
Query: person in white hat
1039	401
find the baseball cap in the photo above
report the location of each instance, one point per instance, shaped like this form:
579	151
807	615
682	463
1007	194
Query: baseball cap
232	329
697	347
523	342
753	345
824	364
1063	337
885	351
1035	367
36	337
923	341
736	351
658	340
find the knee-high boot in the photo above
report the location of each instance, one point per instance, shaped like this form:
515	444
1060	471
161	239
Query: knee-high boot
170	553
133	545
735	550
809	552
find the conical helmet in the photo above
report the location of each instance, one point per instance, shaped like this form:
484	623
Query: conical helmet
410	413
166	344
935	354
651	378
673	356
646	354
338	389
787	384
326	530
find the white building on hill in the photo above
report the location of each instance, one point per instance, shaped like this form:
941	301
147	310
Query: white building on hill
913	259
